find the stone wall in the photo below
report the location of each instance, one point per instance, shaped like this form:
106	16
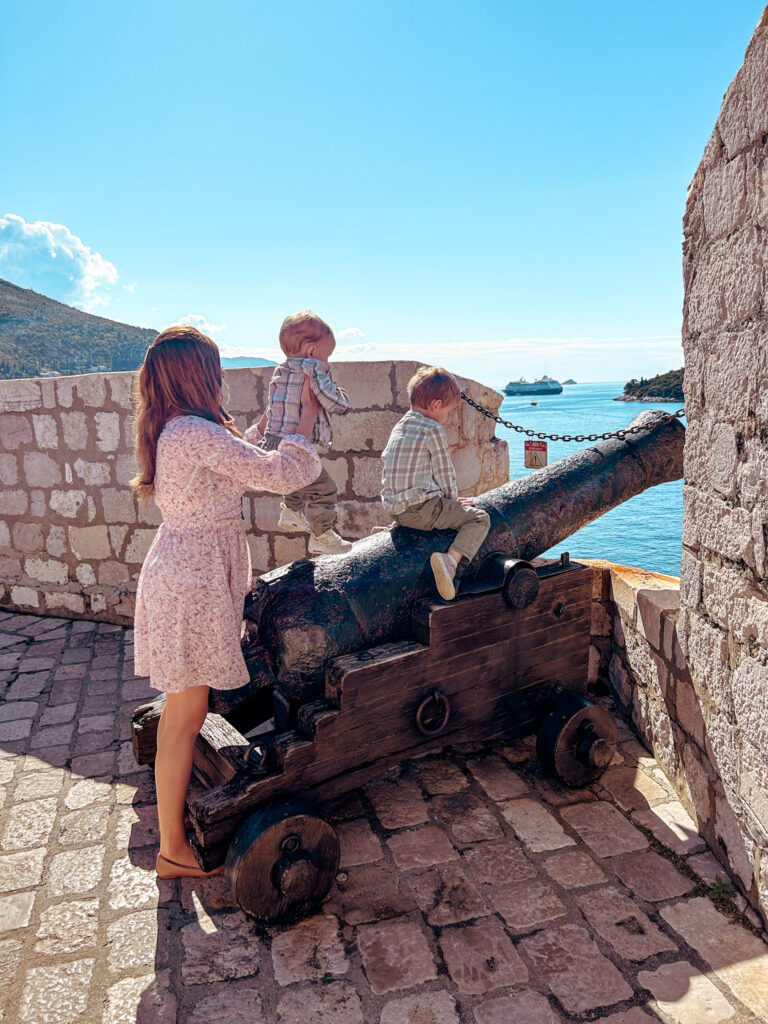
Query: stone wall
723	624
636	650
72	536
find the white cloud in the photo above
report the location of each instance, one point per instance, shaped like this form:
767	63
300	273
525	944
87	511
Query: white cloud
130	287
349	332
50	259
203	324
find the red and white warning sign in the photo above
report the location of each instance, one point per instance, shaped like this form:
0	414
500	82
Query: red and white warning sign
535	454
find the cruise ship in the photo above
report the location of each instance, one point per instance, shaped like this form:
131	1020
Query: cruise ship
543	386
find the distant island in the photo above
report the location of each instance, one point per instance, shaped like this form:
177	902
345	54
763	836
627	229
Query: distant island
664	387
565	382
40	337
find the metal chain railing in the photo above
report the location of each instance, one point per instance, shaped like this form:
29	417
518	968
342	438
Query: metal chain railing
620	434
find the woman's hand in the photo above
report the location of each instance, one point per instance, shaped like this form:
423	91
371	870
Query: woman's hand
310	408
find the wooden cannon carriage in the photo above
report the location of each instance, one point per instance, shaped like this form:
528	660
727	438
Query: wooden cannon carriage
507	658
354	668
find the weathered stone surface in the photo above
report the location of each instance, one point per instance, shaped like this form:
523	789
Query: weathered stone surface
395	955
66	927
672	826
631	788
467	817
578	975
738	959
650	876
29	824
481	957
15	910
397	802
604	829
56	995
445	895
573	869
621	923
421	847
527	906
498	779
334	1003
498	864
132	940
148	1000
309	950
368	893
522	1008
218	947
685	994
535	826
358	843
425	1008
76	871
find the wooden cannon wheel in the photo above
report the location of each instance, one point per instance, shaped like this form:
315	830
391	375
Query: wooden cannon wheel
577	740
282	862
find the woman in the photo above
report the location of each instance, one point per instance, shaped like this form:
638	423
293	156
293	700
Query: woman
196	575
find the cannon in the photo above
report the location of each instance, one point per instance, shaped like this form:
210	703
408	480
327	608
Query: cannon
356	665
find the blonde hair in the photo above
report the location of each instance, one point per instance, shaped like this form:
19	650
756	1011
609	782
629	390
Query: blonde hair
432	383
301	329
180	376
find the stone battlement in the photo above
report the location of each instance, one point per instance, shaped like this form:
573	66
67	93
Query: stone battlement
73	537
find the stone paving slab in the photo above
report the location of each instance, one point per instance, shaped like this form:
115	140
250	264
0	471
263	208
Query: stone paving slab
473	888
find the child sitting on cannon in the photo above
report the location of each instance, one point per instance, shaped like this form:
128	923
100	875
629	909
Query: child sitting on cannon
418	484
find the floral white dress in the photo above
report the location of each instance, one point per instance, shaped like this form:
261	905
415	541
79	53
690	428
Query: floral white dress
189	603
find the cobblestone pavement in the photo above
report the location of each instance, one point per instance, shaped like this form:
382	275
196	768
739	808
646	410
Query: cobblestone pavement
472	888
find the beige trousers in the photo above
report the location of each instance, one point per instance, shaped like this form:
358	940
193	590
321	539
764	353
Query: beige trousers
440	513
317	501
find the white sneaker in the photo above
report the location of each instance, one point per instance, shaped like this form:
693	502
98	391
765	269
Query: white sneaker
295	522
444	569
328	543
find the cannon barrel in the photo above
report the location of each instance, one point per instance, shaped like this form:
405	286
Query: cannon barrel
301	615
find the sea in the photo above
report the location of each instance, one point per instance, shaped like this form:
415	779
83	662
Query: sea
645	531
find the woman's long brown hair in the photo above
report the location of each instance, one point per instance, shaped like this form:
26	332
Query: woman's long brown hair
180	376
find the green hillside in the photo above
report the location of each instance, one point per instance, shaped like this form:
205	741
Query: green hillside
38	334
667	386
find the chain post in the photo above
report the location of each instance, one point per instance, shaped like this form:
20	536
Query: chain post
567	438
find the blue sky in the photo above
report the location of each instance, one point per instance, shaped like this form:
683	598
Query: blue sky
495	186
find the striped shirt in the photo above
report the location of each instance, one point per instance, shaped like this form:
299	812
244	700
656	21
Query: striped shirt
417	464
284	408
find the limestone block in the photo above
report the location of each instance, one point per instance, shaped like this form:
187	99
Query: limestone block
743	119
37	503
93	473
129	432
13	503
25	597
64	392
148	511
734	601
288	549
258	545
690	520
404	370
752	473
338	471
363	431
724	197
653	607
9	470
468	467
112	574
48	392
750	699
118	505
121	389
699	779
5	535
85	574
723	748
56	543
738	845
98	602
369	385
138	545
602	623
708	659
62	599
266	511
89	542
91	389
754	783
691	577
728	286
116	538
722	460
46	431
14	430
20	395
366	477
67	503
9	567
48	570
41	470
244	390
125	468
495	472
723	529
75	427
28	537
107	431
620	680
358	518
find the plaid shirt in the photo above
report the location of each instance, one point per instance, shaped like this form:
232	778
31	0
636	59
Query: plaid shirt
285	398
417	464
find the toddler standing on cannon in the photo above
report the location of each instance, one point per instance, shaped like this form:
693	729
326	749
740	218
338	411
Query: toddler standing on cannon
418	485
308	343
